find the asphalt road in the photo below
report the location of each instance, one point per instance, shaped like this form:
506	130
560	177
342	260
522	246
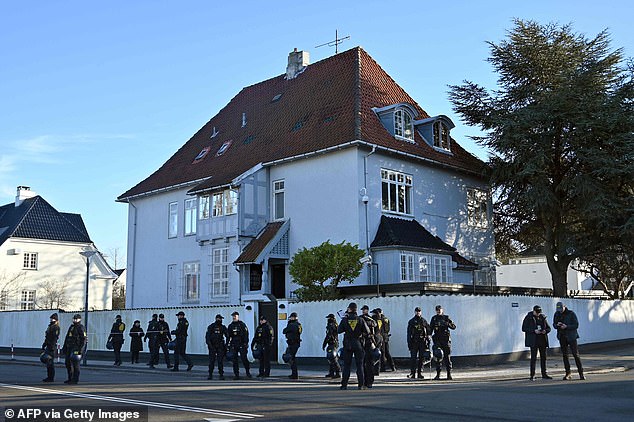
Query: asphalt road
183	397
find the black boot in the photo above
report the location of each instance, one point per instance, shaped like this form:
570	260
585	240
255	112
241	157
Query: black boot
437	377
449	377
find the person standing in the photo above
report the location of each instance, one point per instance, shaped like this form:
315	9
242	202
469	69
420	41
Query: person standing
263	340
216	338
386	357
180	348
116	337
152	334
74	344
136	342
164	336
440	325
354	329
331	345
378	339
293	333
51	335
535	327
369	344
238	344
567	324
418	331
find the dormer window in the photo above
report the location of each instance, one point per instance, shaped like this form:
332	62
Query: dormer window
441	135
403	127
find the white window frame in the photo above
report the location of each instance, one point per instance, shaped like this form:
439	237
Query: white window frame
477	208
217	204
190	217
407	267
279	187
220	273
203	207
27	300
440	133
191	282
231	201
423	268
441	269
403	125
30	261
394	183
172	221
4	300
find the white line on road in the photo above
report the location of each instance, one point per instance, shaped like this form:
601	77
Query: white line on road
136	402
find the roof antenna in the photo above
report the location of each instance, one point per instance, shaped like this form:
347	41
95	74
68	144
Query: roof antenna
336	42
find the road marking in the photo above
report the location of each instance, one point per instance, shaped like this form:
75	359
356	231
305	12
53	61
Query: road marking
136	402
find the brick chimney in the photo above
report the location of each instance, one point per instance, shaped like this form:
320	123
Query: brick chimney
24	192
297	62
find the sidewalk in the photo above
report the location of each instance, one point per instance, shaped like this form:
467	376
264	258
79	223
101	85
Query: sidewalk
609	359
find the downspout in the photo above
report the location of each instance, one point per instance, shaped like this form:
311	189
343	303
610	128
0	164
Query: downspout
131	289
365	200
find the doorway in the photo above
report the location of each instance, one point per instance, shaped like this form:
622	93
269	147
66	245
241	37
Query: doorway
278	281
269	310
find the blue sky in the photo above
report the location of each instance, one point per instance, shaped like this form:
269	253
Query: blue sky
95	96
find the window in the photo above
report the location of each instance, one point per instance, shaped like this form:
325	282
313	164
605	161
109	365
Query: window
202	154
477	208
224	147
4	300
396	191
30	261
190	216
403	127
217	200
407	267
278	200
220	281
172	229
430	268
423	268
441	135
191	282
231	202
255	277
27	300
440	270
203	207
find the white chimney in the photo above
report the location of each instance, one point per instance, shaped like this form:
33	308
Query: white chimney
297	62
24	192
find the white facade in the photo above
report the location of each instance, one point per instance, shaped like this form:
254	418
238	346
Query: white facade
533	272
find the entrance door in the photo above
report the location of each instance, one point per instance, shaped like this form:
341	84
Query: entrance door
269	310
278	281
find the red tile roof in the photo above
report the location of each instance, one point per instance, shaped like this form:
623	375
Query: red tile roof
257	245
327	105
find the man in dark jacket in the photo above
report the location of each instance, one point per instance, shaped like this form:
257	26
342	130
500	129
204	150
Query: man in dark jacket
152	334
263	341
293	332
386	356
216	338
440	325
331	345
74	345
354	329
566	323
369	344
180	348
136	341
51	335
378	338
418	331
116	337
238	344
535	327
164	337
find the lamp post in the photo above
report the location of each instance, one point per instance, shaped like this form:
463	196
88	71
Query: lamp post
87	255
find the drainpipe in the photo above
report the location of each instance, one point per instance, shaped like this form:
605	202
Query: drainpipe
131	289
365	200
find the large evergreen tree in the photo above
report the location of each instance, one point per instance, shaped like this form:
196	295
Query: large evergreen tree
559	127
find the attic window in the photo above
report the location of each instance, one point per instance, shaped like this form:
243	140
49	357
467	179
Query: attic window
202	154
298	124
441	135
248	139
276	97
225	146
403	127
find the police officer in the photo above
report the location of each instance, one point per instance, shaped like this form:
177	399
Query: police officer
369	344
263	340
440	325
331	341
386	357
354	329
378	338
164	336
152	334
293	332
238	343
216	338
51	335
180	348
418	331
116	337
74	345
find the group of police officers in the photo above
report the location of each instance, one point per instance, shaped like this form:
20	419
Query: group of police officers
366	339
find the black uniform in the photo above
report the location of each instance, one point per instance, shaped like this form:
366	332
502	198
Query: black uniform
164	336
331	345
152	334
180	348
369	344
74	345
386	357
136	342
440	325
378	340
418	331
293	332
51	335
263	339
238	344
216	339
354	329
116	337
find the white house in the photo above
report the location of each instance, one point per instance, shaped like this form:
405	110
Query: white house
43	258
334	150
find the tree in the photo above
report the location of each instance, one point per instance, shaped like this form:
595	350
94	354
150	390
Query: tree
320	269
560	131
118	295
52	294
613	268
10	286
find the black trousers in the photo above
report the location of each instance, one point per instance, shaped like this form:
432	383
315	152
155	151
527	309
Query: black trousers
265	360
72	367
153	346
166	353
574	349
180	350
541	348
216	354
50	364
242	351
417	360
135	355
368	367
355	351
292	350
446	359
117	351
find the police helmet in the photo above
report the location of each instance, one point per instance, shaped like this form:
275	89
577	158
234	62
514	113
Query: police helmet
171	345
257	353
427	354
286	357
109	345
376	355
230	355
75	357
438	353
331	354
45	358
